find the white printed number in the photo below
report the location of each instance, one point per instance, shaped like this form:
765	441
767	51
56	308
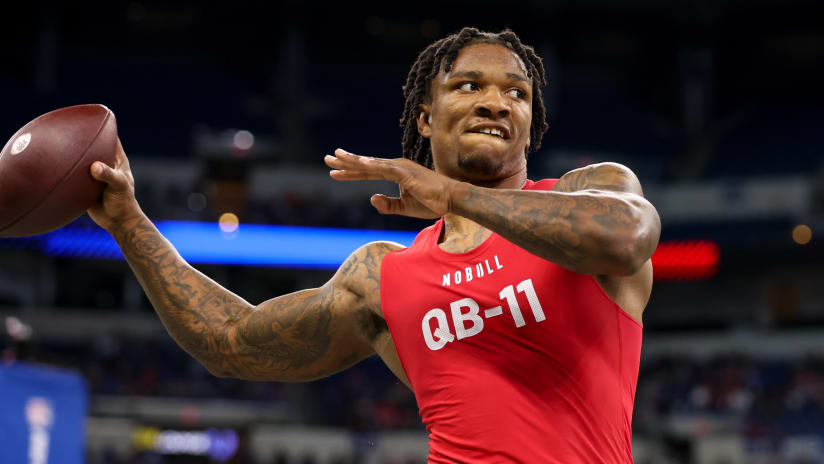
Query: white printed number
467	316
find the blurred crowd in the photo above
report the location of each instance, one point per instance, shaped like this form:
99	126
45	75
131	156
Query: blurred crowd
762	399
316	209
364	398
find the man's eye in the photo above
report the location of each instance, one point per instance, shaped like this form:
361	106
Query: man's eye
468	87
517	93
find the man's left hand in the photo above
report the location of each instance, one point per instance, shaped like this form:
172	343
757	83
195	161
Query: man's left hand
424	193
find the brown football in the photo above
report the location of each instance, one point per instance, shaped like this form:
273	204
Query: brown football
44	168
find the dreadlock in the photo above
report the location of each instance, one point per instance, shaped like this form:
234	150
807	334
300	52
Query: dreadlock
441	55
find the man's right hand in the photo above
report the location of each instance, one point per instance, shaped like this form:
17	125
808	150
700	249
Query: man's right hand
117	204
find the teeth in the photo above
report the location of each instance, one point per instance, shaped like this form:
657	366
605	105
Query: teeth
496	132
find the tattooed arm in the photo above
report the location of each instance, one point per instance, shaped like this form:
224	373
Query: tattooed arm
297	337
595	221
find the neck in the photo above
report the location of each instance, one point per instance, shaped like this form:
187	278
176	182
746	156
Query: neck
516	181
455	225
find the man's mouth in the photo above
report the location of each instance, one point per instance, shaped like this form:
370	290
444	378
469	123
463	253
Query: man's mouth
493	131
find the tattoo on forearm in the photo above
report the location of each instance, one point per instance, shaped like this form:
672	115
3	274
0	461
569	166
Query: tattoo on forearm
193	308
571	229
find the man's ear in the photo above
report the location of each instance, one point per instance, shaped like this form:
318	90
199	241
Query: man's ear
425	121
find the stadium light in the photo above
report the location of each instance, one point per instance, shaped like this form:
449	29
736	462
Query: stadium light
308	247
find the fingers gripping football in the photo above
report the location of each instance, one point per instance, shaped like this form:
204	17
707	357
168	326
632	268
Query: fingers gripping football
118	203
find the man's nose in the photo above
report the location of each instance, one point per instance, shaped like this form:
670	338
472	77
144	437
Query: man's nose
493	104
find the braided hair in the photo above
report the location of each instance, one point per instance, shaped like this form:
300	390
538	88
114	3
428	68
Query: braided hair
441	55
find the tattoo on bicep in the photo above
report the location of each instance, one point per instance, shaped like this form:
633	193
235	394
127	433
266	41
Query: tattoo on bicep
297	332
292	332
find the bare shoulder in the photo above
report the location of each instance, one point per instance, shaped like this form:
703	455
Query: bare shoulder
601	176
360	274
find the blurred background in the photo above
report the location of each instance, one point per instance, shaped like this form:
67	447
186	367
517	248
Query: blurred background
229	107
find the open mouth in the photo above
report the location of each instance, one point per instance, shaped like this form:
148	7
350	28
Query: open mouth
490	131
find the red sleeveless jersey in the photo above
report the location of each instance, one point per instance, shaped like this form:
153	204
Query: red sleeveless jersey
512	358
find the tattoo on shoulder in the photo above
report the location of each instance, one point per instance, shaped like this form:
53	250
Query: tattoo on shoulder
362	268
361	272
602	176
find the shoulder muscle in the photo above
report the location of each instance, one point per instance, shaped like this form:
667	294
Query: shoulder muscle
360	274
601	176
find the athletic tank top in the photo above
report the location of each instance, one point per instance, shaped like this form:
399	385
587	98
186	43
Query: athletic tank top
512	358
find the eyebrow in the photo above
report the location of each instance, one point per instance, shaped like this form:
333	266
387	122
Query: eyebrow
479	74
469	74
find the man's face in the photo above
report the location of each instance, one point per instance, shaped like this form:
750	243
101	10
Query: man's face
480	114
